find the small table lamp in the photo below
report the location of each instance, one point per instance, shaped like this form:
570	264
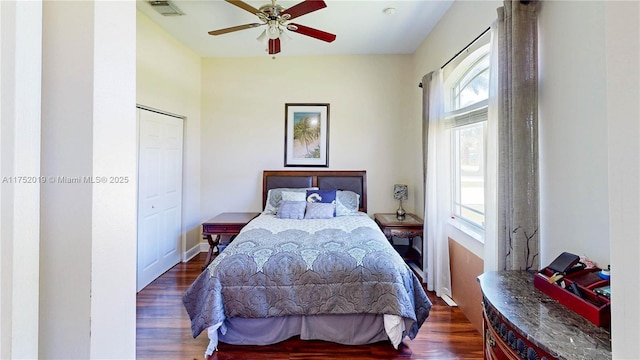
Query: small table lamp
400	192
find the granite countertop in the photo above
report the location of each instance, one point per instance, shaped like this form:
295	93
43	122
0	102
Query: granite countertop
541	319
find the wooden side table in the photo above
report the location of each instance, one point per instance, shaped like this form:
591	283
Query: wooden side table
409	228
229	223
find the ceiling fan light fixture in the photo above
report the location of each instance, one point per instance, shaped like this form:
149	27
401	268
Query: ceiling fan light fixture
273	31
275	17
284	37
263	38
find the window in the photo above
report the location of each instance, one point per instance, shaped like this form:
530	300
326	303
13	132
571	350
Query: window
468	172
466	119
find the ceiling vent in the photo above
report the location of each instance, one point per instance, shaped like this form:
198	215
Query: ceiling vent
165	8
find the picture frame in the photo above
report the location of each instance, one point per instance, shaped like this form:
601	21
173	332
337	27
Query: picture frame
306	136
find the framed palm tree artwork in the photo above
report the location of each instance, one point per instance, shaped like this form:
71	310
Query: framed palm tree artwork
306	137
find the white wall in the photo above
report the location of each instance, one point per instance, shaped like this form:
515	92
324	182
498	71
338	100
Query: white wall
66	115
574	196
243	123
623	112
20	76
589	147
88	237
168	79
113	231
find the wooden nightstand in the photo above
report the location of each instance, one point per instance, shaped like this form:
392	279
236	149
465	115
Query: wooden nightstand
409	228
229	223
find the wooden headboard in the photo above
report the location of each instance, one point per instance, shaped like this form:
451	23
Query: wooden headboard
352	180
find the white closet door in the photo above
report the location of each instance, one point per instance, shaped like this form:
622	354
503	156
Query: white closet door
159	194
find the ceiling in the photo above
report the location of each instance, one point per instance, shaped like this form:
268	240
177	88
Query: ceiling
360	26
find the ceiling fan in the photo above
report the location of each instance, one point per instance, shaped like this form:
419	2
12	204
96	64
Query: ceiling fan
276	18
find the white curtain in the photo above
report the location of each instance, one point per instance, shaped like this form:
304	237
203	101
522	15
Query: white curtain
437	192
491	258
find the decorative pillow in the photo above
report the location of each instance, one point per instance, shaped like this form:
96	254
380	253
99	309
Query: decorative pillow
347	203
274	196
317	210
321	196
291	209
294	196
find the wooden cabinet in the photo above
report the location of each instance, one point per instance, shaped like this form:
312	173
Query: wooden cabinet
503	342
494	347
521	322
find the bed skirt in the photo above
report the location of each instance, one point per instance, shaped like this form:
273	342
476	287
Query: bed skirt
353	329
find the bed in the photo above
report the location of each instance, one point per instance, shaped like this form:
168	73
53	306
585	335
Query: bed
328	273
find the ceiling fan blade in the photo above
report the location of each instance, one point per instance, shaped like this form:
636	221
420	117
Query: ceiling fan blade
304	7
243	5
274	46
314	33
234	28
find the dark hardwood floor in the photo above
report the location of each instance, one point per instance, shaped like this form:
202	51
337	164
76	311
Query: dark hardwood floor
163	331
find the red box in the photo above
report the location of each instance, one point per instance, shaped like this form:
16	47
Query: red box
592	306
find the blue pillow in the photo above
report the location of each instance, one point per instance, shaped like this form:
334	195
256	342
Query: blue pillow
291	210
319	210
321	196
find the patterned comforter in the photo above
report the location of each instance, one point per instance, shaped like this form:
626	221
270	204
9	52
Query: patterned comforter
279	267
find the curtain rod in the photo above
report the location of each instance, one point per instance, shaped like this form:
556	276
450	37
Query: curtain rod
465	48
461	51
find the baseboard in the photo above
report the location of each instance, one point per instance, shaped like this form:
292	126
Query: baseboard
417	270
448	300
204	246
191	253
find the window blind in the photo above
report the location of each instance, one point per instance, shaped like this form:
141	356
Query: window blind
467	116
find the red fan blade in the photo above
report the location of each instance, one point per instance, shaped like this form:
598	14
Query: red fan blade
233	28
243	5
304	7
314	33
274	46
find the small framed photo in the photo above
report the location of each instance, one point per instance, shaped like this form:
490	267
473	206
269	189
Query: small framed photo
306	137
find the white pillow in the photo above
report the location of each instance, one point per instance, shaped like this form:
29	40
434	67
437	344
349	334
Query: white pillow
347	203
274	196
293	196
